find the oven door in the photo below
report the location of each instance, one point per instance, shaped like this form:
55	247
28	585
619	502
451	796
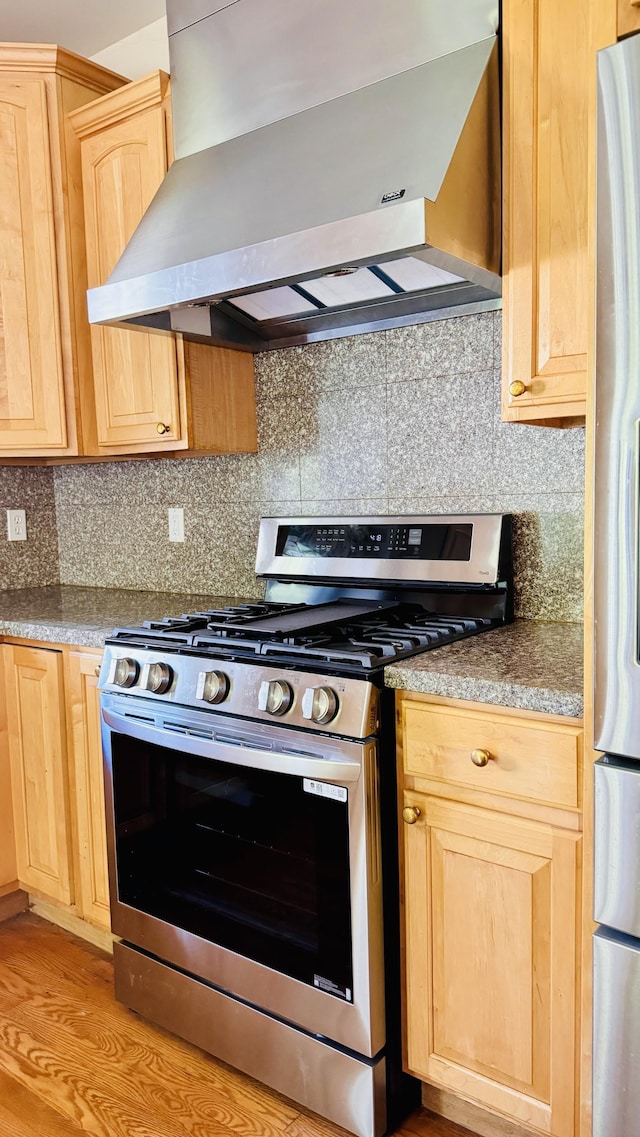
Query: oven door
249	855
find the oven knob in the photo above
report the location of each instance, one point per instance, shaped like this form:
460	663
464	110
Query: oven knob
320	704
275	696
213	686
159	678
125	672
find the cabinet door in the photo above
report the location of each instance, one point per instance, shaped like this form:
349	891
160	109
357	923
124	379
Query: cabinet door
628	17
8	869
137	374
549	112
37	751
491	941
83	703
32	400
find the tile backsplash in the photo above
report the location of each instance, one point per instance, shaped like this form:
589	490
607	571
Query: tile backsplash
401	421
24	564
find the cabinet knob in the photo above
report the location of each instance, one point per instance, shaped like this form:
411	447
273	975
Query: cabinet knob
517	388
97	668
163	428
410	814
480	757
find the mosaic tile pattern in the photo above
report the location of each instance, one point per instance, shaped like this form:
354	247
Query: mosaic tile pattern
343	443
405	420
440	435
443	347
34	561
131	550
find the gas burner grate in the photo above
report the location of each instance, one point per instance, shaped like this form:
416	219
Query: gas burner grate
350	638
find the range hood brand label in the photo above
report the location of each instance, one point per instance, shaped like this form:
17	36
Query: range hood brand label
324	789
392	195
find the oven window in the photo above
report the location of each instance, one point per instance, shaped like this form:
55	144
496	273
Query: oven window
247	859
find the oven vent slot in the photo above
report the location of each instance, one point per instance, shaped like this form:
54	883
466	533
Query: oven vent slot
187	731
297	753
242	741
139	718
206	734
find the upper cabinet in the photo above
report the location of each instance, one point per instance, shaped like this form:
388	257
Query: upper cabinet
68	390
549	53
628	17
153	393
46	403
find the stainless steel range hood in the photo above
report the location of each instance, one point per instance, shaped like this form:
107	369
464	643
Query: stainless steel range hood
337	170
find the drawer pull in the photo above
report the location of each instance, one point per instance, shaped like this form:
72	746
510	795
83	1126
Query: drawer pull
97	668
410	814
480	757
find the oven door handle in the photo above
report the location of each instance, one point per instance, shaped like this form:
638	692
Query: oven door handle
334	769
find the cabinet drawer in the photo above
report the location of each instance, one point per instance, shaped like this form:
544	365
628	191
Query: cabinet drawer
535	760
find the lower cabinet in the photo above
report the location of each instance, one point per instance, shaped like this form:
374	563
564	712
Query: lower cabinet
491	908
8	866
85	767
53	733
37	752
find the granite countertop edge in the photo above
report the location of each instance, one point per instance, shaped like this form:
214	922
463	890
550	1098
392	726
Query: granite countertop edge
504	694
528	665
76	635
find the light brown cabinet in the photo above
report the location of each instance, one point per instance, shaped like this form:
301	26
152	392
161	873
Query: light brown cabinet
55	753
491	886
8	866
628	17
153	392
46	394
86	786
38	755
549	54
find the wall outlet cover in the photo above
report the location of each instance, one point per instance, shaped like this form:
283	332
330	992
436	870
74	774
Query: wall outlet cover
16	525
176	524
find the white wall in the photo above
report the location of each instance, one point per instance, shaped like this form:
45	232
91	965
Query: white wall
138	54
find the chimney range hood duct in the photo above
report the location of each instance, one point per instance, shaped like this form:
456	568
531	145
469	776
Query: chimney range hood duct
337	170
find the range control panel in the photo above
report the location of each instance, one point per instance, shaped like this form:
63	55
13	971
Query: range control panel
433	541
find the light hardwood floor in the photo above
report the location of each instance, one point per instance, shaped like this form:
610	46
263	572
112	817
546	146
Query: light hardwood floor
72	1060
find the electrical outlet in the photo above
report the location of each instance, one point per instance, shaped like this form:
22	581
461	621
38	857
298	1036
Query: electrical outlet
176	524
16	525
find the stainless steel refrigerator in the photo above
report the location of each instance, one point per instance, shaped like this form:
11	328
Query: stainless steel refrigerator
616	1041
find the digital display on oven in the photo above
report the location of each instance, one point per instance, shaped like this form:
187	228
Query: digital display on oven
429	542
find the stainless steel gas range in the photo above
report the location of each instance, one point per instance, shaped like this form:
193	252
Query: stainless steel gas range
251	801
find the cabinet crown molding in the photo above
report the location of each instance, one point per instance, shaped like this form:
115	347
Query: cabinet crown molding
113	107
43	57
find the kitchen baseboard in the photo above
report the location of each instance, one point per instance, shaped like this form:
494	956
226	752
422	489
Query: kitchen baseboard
99	937
470	1116
13	902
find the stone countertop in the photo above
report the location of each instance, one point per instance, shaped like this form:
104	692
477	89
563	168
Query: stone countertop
530	664
67	614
